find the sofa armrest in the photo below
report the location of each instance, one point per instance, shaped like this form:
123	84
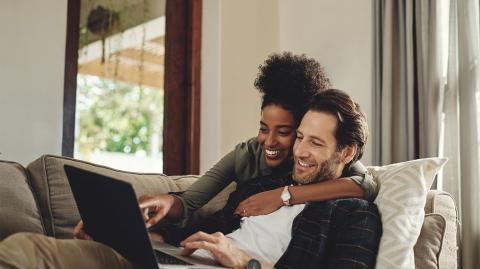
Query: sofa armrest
437	243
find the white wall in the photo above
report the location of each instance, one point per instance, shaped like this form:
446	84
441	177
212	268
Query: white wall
239	35
339	34
32	50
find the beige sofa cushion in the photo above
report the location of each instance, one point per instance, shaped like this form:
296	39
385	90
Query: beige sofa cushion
442	203
429	243
56	202
18	208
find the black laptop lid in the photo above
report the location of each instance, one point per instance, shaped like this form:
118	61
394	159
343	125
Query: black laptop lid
110	212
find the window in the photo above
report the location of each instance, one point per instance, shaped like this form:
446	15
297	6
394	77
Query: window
135	77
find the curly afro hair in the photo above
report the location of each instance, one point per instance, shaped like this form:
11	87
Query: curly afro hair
290	81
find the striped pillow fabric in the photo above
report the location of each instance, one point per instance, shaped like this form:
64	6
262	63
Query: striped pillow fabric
401	200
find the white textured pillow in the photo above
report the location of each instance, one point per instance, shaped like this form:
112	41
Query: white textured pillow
401	200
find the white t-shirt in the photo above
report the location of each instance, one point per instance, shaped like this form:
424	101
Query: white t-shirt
264	237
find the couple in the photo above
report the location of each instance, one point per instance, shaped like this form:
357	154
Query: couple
276	217
267	219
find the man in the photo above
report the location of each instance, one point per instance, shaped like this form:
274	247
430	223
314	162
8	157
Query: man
341	233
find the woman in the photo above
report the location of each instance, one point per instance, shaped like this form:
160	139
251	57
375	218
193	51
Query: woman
286	82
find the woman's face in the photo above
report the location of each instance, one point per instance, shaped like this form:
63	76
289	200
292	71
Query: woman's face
276	134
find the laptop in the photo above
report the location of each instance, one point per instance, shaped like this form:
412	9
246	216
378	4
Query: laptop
111	215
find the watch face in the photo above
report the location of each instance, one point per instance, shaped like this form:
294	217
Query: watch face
253	264
285	196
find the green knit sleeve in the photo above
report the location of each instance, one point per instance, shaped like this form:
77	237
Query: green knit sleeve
360	175
240	164
210	184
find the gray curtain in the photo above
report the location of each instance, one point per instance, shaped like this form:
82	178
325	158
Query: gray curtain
408	80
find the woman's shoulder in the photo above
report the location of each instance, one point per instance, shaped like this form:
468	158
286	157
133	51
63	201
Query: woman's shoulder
249	147
249	160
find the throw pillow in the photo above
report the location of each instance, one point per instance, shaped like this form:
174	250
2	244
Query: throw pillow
401	200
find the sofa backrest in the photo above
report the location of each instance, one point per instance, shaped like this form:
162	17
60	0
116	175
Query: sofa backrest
57	205
18	208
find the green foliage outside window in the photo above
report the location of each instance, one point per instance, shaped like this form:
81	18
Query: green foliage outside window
118	117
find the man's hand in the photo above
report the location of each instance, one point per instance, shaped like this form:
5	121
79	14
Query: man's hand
79	232
156	207
262	203
220	246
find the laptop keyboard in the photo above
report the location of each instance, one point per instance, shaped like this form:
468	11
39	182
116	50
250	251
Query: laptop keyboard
163	258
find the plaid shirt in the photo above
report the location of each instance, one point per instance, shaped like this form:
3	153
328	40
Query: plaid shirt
342	233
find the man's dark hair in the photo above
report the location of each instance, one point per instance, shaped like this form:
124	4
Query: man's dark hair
290	81
352	127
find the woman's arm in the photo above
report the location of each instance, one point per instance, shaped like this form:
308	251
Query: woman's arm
326	190
210	184
266	202
177	206
360	175
356	182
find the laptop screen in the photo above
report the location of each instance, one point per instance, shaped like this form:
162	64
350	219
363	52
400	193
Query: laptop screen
111	215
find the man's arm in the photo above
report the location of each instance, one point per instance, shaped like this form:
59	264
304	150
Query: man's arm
222	248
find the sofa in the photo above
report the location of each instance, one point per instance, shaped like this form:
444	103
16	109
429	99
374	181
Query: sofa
38	199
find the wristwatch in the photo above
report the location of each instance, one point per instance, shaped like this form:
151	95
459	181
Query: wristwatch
285	196
253	264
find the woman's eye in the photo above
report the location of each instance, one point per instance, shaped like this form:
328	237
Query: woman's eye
263	130
299	137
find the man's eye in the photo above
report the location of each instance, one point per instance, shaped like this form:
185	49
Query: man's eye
317	144
263	130
284	133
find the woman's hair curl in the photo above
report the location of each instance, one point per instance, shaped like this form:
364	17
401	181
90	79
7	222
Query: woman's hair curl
290	81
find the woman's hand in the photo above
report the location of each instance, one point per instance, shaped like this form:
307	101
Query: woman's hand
155	207
79	232
221	247
262	203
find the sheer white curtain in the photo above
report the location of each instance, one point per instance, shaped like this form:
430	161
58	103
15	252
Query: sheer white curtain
461	176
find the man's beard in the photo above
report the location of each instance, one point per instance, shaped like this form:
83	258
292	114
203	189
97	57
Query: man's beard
325	170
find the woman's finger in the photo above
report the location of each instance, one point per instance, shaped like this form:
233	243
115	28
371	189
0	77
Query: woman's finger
147	203
77	229
152	220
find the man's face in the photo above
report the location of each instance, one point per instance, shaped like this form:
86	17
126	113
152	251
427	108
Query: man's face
315	149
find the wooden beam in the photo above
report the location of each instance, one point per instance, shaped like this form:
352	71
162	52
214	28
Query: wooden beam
70	77
182	87
124	72
148	56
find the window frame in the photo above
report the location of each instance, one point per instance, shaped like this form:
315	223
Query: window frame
181	133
